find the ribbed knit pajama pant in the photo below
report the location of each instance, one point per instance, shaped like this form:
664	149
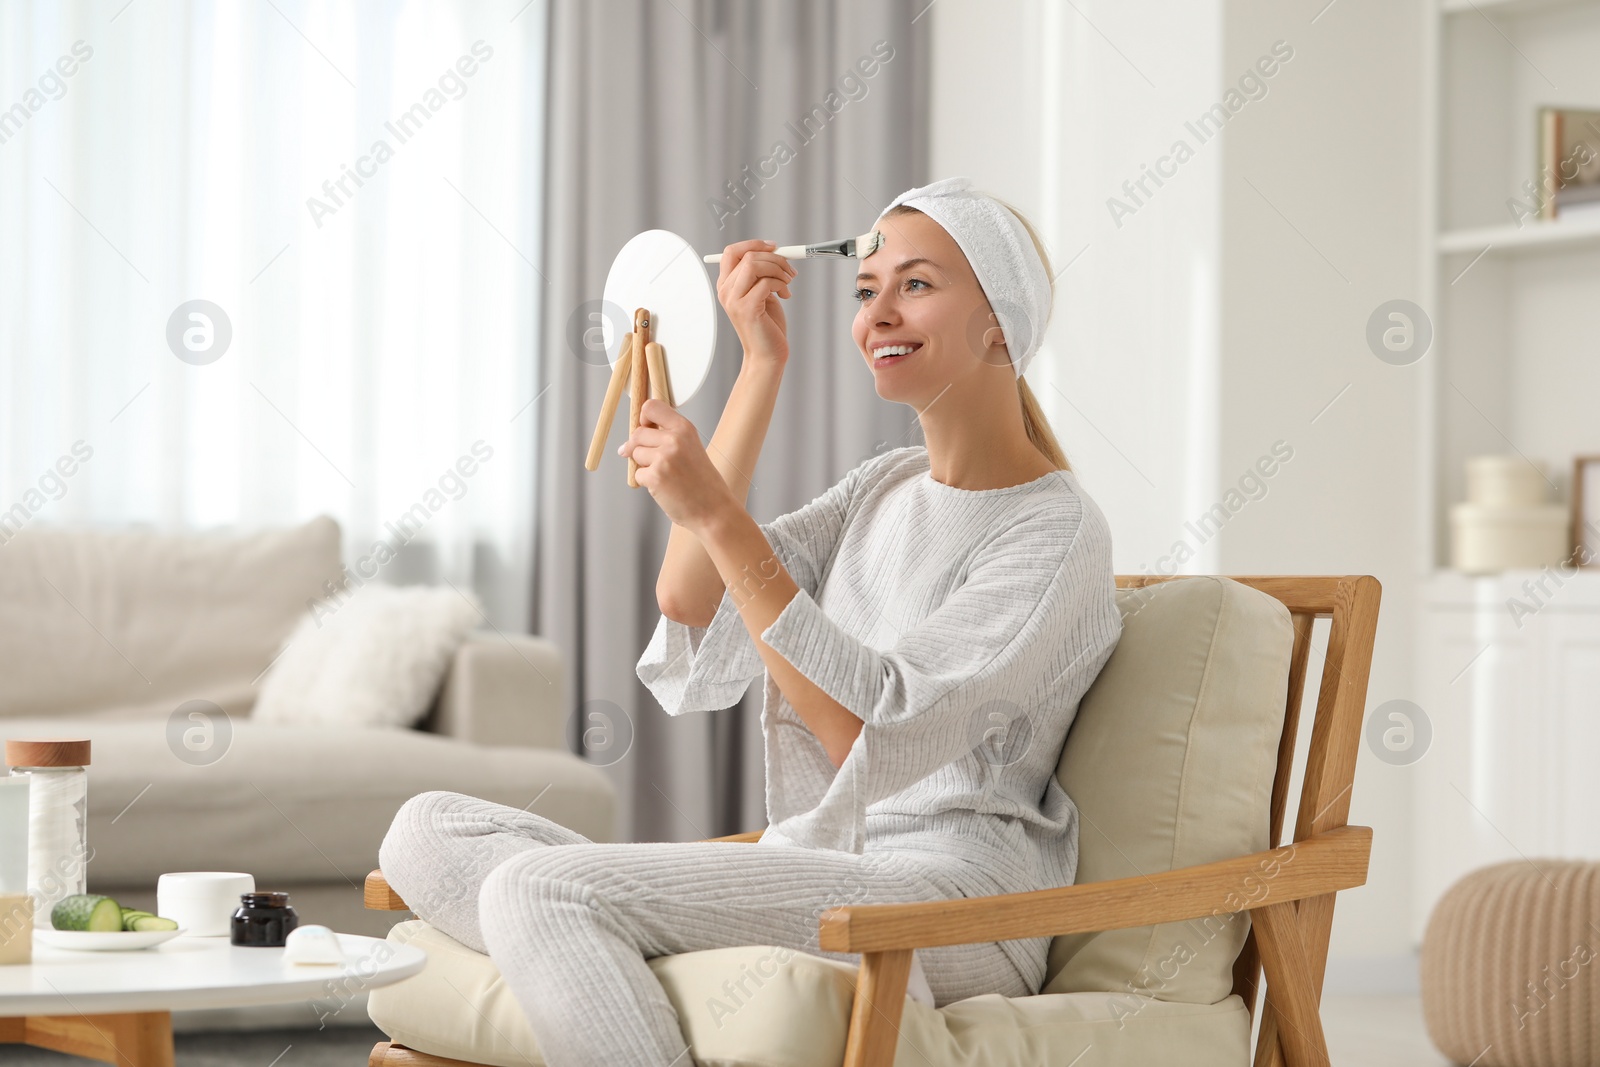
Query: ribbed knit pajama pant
570	923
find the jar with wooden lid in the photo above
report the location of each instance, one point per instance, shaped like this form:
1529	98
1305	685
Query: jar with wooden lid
58	818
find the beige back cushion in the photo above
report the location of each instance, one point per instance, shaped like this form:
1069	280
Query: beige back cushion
129	622
1170	762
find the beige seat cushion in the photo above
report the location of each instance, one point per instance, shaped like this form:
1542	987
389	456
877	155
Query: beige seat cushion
459	1007
295	803
1171	761
132	622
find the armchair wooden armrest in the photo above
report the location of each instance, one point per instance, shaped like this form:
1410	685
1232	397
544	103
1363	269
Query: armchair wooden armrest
1324	863
747	836
377	896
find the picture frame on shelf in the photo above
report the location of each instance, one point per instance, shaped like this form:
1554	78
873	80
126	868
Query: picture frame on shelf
1586	511
1569	159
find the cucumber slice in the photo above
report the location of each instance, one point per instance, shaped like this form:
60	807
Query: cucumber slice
87	911
154	922
130	914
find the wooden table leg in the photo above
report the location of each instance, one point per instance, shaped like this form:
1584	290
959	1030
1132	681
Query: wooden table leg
127	1039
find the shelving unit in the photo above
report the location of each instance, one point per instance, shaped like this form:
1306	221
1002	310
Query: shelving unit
1515	364
1574	230
1502	7
1515	367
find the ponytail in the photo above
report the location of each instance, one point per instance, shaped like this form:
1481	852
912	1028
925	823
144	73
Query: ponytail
1038	427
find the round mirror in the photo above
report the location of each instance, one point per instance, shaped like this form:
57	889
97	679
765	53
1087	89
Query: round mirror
660	271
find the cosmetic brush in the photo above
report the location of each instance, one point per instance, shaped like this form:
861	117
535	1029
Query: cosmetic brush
849	248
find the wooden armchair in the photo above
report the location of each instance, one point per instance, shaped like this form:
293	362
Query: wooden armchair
1287	890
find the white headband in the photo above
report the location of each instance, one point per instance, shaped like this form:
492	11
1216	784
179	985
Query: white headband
1001	253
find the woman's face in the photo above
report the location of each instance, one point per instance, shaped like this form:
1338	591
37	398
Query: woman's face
918	289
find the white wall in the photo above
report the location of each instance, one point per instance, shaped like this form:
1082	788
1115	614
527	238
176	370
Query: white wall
1210	325
1321	193
1037	106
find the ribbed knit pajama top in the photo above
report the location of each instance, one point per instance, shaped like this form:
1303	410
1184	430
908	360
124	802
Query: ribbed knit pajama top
962	627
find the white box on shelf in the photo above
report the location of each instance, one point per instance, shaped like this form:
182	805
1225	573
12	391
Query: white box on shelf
1505	482
1488	540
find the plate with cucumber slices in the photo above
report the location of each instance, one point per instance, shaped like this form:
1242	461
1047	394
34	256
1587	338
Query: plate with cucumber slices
96	923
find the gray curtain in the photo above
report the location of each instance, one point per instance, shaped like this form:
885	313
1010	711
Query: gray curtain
658	108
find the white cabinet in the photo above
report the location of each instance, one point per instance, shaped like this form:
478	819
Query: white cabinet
1509	676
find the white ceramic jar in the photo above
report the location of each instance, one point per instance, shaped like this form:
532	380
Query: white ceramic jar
202	902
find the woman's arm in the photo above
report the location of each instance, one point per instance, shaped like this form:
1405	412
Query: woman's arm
750	284
761	588
689	587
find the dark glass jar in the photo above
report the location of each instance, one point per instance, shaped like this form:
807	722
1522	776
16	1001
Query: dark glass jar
263	920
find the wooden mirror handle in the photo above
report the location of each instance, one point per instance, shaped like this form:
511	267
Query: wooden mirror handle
608	407
660	382
639	385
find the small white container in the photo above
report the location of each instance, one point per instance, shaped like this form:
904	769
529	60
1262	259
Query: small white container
1505	482
202	902
1487	540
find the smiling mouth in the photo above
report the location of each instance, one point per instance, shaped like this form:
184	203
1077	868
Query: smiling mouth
893	353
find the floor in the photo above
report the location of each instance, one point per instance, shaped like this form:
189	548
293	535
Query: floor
333	1047
1376	1031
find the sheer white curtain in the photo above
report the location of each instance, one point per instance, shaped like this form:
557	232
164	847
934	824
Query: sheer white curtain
357	188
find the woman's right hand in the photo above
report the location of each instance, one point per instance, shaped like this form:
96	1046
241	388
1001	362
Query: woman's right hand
752	279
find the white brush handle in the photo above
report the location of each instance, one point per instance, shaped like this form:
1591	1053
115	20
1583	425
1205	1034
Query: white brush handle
787	251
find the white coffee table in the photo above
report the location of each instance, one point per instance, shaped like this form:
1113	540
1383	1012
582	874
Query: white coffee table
116	1006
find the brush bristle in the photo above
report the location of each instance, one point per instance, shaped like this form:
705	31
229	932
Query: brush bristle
868	244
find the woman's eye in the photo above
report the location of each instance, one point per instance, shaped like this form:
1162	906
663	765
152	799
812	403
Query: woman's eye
863	294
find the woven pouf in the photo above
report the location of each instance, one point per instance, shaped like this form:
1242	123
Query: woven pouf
1511	966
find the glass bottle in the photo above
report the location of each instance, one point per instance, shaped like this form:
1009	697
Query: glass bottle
58	818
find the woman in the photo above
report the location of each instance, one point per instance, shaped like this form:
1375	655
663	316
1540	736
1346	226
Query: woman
926	627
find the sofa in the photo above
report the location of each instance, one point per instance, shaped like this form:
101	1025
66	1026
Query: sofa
152	644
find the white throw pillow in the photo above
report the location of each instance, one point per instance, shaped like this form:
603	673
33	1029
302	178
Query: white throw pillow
376	658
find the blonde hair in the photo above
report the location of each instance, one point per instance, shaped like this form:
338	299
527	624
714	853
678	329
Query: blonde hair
1033	416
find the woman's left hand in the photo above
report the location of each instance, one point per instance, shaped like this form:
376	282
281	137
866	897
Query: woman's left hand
674	467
